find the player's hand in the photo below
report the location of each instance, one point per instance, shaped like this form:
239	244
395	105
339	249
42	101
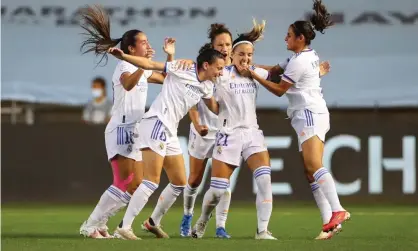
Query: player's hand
276	70
118	53
202	130
169	46
150	53
184	64
324	68
243	71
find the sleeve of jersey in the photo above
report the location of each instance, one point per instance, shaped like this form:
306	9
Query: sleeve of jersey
170	67
216	94
126	67
209	90
262	73
283	65
293	72
147	73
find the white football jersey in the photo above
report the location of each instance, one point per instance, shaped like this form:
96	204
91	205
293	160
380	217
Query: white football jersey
302	70
236	96
128	106
181	90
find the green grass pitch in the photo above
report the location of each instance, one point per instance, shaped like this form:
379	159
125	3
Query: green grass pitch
44	228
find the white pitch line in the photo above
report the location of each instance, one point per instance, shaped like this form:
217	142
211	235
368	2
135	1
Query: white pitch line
360	213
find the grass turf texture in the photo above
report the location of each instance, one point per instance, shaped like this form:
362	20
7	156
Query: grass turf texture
44	228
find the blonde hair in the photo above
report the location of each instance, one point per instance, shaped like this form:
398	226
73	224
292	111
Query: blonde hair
256	33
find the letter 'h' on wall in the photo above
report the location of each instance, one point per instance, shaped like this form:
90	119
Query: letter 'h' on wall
406	164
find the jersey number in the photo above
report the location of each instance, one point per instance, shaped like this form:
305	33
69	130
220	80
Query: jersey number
222	139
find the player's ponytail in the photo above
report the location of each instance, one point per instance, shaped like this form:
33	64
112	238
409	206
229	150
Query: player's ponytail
252	36
95	22
217	29
319	21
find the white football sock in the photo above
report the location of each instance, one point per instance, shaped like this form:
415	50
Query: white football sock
321	202
264	201
138	201
217	188
189	199
327	185
109	200
222	208
165	201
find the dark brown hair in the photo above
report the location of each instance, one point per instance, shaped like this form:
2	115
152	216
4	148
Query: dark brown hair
319	21
217	29
205	47
207	54
96	23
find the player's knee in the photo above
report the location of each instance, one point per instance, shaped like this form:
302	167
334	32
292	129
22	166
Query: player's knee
132	187
309	176
152	178
311	166
123	185
179	182
194	180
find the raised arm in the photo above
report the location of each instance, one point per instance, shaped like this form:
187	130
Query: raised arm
169	49
146	63
141	62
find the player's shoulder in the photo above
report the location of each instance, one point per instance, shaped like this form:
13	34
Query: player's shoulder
303	57
124	65
173	67
229	68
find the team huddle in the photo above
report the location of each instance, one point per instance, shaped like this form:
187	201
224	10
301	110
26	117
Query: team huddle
218	90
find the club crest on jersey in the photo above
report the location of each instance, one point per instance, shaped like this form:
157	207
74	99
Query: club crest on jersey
162	146
219	150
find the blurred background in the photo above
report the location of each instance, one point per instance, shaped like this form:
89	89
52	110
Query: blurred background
53	134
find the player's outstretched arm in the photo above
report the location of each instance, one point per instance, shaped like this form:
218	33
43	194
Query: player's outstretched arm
276	89
141	62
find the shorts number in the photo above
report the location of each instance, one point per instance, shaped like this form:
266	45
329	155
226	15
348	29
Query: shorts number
222	139
124	137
